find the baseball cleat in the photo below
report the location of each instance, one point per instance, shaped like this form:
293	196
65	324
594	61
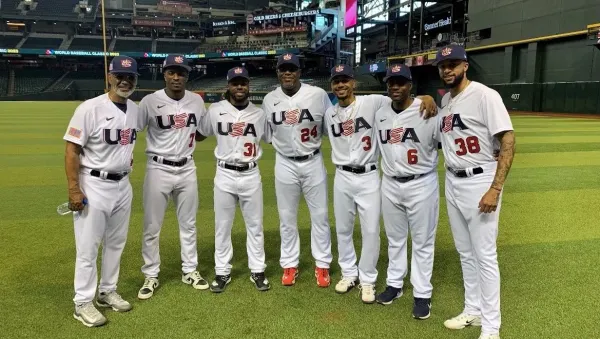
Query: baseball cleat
346	284
147	290
113	300
367	293
260	281
422	308
89	315
195	279
322	275
461	321
289	276
489	336
389	295
218	285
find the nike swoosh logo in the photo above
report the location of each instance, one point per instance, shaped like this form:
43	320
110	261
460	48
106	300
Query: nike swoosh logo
334	115
222	113
160	106
109	119
382	120
277	103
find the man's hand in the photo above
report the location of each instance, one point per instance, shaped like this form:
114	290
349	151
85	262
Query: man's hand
496	154
199	137
428	107
76	198
489	201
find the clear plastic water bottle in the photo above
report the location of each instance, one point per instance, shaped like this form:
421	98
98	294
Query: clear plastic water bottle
63	209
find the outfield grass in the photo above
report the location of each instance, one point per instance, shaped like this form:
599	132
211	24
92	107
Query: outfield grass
548	250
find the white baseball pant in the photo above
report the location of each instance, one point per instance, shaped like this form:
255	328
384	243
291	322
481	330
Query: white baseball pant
105	220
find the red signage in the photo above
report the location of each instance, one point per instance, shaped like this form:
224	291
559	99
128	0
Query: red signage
155	22
174	7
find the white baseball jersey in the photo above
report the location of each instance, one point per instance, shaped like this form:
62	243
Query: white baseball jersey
352	132
408	142
172	124
106	134
470	121
238	132
296	121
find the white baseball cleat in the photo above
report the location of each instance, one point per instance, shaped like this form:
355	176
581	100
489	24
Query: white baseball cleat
489	336
195	279
346	284
367	293
113	300
461	321
147	290
88	315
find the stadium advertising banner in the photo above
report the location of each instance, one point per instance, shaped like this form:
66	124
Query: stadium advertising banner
223	23
154	22
174	7
260	18
350	17
300	28
379	67
210	55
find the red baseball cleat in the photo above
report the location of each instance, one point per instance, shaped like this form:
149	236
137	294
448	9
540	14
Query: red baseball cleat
322	275
289	276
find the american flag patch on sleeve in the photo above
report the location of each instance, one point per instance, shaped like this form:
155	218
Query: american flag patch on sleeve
75	132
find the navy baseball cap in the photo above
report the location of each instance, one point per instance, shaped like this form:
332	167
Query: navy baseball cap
288	58
237	72
342	70
123	64
450	52
398	71
176	60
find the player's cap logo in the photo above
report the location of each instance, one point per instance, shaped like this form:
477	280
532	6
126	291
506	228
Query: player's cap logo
396	69
339	68
287	57
446	51
179	59
237	70
126	63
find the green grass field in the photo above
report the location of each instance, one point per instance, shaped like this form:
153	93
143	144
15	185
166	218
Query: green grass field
549	247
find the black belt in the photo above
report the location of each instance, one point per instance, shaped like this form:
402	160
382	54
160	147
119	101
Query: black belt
358	170
109	176
171	163
305	157
238	168
409	178
463	173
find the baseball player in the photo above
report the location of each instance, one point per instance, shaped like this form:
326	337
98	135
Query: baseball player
350	125
239	126
295	114
171	116
474	123
409	190
98	159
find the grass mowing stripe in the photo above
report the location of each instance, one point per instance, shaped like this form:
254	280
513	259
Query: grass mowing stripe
565	139
558	133
556	147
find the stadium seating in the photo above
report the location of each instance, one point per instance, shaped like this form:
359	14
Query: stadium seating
181	46
133	45
34	80
10	7
9	41
81	43
62	8
42	42
3	82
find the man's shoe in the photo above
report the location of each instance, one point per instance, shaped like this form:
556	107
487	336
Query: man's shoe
195	279
367	293
322	275
346	284
489	336
422	308
260	281
88	315
220	282
461	321
289	276
389	295
147	290
113	300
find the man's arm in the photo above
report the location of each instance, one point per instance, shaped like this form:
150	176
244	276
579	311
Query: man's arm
428	106
72	153
505	158
200	137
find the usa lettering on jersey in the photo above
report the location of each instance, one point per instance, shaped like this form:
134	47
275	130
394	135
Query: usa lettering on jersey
291	117
450	122
398	135
119	136
176	121
236	129
349	127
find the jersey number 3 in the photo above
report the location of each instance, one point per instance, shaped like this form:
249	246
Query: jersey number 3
250	149
306	133
470	145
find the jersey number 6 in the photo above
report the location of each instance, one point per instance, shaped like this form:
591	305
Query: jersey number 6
412	157
306	133
250	149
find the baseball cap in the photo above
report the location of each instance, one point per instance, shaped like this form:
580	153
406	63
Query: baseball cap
398	71
237	72
450	52
344	70
288	58
123	64
176	60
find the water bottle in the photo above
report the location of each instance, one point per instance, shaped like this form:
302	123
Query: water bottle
63	209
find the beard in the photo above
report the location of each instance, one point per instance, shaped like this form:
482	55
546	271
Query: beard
124	94
457	80
239	100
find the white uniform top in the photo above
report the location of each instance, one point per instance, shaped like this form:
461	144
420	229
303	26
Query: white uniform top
408	142
470	121
238	132
106	134
172	124
296	121
352	133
